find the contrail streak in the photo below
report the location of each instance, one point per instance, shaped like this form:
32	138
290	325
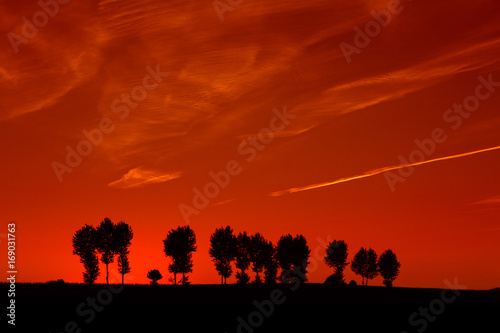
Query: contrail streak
378	171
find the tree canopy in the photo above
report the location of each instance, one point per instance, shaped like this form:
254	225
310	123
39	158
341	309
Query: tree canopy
336	257
388	266
179	245
365	264
223	250
292	255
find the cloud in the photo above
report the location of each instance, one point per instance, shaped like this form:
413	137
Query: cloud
140	177
371	90
378	171
220	203
488	201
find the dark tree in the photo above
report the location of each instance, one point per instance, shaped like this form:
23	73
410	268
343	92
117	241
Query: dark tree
258	247
365	264
271	265
123	237
123	265
388	266
243	257
179	244
358	264
91	264
336	257
84	245
185	280
292	255
154	275
223	247
106	243
372	267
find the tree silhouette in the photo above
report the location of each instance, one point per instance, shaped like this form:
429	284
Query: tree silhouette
292	254
122	237
388	266
359	262
336	257
123	265
154	275
365	264
258	247
84	245
271	265
243	257
106	243
223	247
179	244
372	268
185	280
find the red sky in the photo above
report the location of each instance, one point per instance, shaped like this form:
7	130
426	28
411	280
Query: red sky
225	79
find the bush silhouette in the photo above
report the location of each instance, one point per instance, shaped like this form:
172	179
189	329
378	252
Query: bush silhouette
154	275
335	280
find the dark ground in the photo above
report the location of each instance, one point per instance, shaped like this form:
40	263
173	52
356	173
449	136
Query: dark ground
214	308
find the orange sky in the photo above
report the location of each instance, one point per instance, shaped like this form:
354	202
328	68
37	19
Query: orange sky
224	80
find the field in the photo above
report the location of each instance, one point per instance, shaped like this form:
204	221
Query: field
62	307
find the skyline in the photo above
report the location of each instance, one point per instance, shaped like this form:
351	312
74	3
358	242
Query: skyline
164	114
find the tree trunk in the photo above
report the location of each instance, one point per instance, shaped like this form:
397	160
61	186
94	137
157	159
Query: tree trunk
183	281
221	279
123	277
175	277
107	275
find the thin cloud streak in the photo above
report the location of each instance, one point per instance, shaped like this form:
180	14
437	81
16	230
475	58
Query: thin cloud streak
378	171
138	177
492	200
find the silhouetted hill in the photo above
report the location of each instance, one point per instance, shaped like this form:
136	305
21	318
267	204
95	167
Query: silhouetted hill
216	308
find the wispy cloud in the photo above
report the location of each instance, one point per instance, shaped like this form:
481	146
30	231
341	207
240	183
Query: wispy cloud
378	171
220	203
139	177
488	201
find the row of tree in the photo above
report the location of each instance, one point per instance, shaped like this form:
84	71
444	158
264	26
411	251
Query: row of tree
107	240
263	257
366	263
290	255
284	261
